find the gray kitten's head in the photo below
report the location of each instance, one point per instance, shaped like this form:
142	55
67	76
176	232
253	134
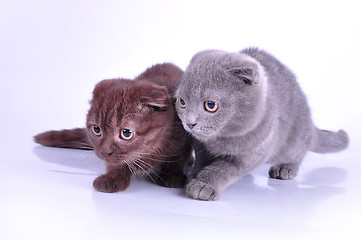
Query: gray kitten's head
222	95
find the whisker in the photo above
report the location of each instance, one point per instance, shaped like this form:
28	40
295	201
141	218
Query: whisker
152	168
156	155
139	166
129	166
84	155
144	162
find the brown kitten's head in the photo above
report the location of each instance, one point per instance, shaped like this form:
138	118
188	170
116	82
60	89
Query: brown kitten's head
128	120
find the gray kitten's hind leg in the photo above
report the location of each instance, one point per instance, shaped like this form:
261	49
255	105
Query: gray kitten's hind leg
283	171
286	163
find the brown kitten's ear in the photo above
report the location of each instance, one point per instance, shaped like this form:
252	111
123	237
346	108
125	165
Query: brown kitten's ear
100	88
156	97
246	74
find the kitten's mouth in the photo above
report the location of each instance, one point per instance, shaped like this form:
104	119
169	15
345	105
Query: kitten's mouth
109	159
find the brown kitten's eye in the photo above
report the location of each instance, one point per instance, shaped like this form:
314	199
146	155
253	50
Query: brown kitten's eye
96	130
126	134
211	106
182	103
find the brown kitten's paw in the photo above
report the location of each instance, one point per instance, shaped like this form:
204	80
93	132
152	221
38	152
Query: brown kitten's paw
283	171
171	181
108	184
201	191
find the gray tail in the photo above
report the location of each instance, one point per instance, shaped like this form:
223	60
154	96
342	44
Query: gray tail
329	141
69	138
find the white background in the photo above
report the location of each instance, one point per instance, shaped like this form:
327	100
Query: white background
53	52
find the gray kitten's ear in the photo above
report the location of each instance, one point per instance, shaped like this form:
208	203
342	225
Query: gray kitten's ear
246	74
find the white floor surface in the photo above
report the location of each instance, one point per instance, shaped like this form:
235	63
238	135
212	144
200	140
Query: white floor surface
52	53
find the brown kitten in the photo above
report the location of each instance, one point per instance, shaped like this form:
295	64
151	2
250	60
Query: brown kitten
133	126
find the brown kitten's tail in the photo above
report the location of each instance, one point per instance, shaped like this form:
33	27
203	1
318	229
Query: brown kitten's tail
69	138
329	141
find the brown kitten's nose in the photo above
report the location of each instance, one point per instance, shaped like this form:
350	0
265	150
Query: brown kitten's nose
191	125
106	154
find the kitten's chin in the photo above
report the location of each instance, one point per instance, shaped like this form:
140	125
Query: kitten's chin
201	136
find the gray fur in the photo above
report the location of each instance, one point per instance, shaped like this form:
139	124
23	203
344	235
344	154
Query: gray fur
262	116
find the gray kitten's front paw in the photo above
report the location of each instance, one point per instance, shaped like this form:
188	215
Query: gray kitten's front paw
201	191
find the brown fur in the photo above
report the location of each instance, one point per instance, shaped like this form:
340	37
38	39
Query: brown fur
160	146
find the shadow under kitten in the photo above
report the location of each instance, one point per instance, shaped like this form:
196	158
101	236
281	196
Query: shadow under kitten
133	126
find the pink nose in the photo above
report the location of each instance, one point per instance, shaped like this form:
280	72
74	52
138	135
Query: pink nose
106	154
191	125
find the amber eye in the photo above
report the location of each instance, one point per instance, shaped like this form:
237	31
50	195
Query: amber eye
211	106
96	130
182	103
126	134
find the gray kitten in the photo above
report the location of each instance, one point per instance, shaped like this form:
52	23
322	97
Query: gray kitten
244	109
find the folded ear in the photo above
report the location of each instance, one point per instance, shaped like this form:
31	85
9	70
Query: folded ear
156	97
247	74
103	85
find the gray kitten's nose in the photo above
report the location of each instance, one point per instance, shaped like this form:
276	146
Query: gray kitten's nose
191	125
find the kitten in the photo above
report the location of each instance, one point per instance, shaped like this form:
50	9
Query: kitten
244	109
133	126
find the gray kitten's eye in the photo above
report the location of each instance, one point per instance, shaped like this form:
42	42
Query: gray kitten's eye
182	103
97	130
211	106
126	134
